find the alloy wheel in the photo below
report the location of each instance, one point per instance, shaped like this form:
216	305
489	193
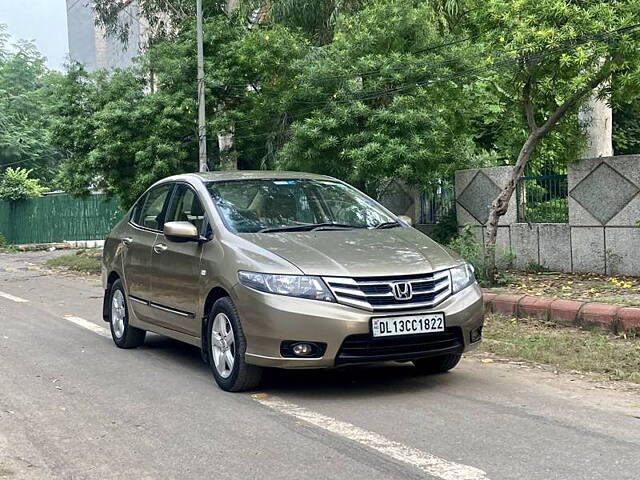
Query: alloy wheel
223	345
118	313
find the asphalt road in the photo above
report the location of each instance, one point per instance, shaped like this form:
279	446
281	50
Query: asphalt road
73	406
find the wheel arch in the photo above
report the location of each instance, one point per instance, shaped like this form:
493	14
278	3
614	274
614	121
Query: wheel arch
111	278
214	295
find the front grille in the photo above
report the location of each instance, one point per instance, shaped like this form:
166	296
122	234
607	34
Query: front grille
366	348
377	293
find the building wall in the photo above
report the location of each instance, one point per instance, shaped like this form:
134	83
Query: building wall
89	44
603	233
81	32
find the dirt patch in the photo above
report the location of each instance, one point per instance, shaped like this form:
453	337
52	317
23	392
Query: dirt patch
587	287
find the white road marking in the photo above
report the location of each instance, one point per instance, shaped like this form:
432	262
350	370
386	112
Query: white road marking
13	298
81	322
431	464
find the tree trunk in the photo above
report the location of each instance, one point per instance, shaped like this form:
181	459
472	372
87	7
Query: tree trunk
228	157
596	118
500	205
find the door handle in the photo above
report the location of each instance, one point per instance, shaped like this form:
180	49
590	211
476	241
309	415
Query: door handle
127	241
159	248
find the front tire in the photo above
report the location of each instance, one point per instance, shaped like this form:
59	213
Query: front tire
440	364
226	346
123	334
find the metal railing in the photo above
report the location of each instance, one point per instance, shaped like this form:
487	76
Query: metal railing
436	203
542	199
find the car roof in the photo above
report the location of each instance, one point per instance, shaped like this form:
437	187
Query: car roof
249	175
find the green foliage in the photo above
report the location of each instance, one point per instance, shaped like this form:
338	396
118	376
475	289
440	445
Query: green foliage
626	128
467	246
316	19
5	246
15	184
535	267
552	211
446	228
161	15
370	109
557	48
361	90
26	90
117	137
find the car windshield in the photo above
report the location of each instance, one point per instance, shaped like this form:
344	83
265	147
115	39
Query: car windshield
269	205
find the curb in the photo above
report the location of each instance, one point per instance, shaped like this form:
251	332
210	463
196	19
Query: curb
566	312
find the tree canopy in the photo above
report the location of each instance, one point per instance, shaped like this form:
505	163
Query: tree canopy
16	184
363	89
26	91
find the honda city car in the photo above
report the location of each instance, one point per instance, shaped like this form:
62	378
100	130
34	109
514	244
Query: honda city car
285	269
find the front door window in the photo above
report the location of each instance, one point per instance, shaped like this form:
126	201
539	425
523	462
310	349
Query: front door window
186	207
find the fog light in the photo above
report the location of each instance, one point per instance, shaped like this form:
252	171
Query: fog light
302	349
476	335
299	348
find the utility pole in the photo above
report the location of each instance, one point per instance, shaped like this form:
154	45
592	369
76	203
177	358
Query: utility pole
202	126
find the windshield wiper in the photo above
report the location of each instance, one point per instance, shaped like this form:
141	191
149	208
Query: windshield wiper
387	225
331	225
288	228
309	227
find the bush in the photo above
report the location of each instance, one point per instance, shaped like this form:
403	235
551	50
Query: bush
15	184
446	228
467	246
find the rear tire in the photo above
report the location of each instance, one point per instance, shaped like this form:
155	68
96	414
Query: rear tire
440	364
227	345
123	334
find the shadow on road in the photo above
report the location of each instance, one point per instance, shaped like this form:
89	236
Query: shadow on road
354	381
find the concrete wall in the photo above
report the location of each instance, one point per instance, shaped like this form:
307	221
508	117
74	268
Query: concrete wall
603	233
400	198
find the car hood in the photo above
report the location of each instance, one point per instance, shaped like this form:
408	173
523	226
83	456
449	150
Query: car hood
357	253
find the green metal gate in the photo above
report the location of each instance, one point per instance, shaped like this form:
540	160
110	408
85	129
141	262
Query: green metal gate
542	199
58	217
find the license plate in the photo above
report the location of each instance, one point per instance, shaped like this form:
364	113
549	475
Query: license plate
407	325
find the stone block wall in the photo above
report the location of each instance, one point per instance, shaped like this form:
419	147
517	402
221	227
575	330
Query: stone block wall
400	198
476	189
603	233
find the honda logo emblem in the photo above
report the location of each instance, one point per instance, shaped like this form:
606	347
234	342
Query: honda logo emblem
402	290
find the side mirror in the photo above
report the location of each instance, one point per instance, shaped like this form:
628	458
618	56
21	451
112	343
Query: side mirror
406	219
181	232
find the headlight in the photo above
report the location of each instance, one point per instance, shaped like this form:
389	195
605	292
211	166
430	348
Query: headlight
461	277
302	286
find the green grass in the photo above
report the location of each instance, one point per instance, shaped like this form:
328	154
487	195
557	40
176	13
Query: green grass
79	262
617	358
6	247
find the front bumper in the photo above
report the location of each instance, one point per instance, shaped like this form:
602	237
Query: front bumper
268	320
